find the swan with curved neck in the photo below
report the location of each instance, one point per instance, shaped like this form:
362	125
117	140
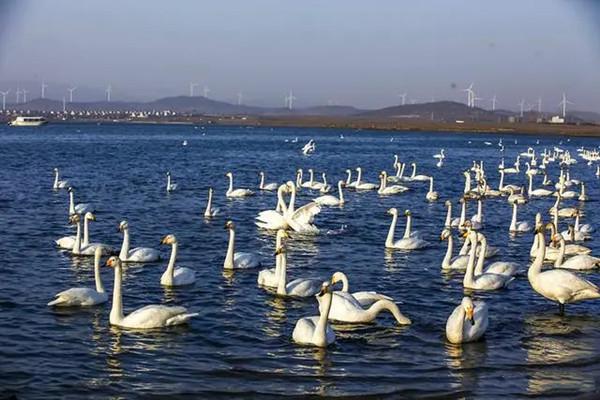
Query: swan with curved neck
485	281
316	331
468	322
148	317
365	298
79	249
349	182
300	287
266	186
414	176
360	185
346	308
410	240
518	226
577	262
238	260
233	193
67	242
449	262
329	200
59	183
175	276
558	285
80	208
537	192
83	297
138	254
431	194
210	212
270	277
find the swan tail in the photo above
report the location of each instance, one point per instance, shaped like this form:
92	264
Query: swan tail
180	319
383	305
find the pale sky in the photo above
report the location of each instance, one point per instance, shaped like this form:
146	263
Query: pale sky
351	52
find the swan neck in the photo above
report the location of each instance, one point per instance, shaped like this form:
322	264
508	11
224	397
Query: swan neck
71	203
408	227
536	266
86	232
469	274
116	312
448	256
125	246
430	184
55	186
481	258
77	245
561	253
262	181
463	213
320	337
282	276
389	242
387	305
207	212
171	265
513	221
228	264
230	183
341	191
448	216
97	277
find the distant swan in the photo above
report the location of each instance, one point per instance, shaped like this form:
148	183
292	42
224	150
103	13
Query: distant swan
170	185
232	193
58	183
138	254
210	212
332	201
80	208
266	186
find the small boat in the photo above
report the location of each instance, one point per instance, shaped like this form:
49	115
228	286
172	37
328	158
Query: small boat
28	121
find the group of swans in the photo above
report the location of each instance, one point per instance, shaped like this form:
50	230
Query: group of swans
410	240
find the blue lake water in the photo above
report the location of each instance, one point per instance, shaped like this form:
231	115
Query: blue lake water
240	344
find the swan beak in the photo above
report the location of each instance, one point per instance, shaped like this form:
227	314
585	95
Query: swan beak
469	313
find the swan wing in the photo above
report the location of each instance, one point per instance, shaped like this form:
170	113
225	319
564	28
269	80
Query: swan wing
366	299
242	260
491	281
77	297
502	268
184	276
306	213
267	277
156	316
66	242
304	330
480	316
581	262
303	287
143	254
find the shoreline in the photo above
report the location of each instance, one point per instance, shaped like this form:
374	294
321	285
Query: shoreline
358	123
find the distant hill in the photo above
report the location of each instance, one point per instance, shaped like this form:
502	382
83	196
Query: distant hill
440	111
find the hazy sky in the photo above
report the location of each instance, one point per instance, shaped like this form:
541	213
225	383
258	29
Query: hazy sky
350	52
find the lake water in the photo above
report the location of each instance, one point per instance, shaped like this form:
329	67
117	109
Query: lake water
240	344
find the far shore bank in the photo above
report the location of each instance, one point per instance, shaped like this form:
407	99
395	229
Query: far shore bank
357	123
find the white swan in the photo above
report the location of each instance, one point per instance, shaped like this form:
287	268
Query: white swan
79	249
506	188
582	195
148	317
299	183
449	262
477	219
83	297
566	212
170	185
234	193
578	262
410	241
332	201
363	185
274	219
485	281
266	186
269	277
67	242
507	268
571	235
301	220
537	192
312	184
175	276
517	226
80	208
138	254
558	285
385	190
585	228
210	212
316	331
346	308
476	313
59	183
300	287
431	194
414	176
238	260
448	221
349	182
518	198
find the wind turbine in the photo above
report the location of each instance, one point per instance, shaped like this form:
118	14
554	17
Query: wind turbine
44	87
470	95
24	95
18	95
71	90
522	105
108	93
64	104
403	97
206	91
475	98
494	103
539	105
192	86
564	103
4	94
289	100
240	97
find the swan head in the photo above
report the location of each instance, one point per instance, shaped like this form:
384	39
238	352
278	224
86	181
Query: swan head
446	233
90	216
342	183
229	174
71	189
55	170
469	308
325	288
448	203
338	277
113	262
358	169
407	213
392	211
123	226
168	173
229	225
169	239
74	219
